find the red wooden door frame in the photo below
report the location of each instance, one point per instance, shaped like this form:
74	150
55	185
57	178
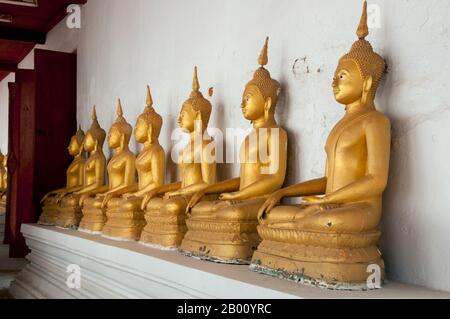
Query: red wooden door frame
21	160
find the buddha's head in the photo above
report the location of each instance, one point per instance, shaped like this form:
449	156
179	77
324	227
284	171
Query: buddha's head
120	133
261	93
360	71
195	109
76	143
95	136
149	123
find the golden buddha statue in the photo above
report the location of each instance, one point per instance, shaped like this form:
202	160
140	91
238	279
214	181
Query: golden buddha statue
125	217
94	171
224	230
165	215
331	238
69	207
75	180
3	182
121	174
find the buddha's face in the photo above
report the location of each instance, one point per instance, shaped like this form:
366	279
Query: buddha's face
187	118
348	84
114	137
141	131
89	143
253	103
74	148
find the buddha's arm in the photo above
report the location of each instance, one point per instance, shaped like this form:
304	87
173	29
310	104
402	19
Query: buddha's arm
378	141
128	185
99	185
160	191
273	175
158	164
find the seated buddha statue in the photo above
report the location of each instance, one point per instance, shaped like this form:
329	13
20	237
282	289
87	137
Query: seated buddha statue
94	173
125	217
3	183
165	215
74	182
331	238
121	176
224	230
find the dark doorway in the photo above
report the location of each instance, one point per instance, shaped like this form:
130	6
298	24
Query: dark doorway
42	121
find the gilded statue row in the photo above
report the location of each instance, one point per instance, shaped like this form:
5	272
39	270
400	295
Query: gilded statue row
328	240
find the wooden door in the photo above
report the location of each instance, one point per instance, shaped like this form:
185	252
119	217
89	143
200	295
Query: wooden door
21	160
42	121
56	120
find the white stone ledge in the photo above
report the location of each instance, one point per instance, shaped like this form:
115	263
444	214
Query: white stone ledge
113	269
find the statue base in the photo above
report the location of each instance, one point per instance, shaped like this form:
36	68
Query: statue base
94	217
69	218
165	228
125	219
221	242
124	226
49	212
326	260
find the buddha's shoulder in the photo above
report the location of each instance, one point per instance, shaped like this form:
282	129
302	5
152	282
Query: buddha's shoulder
376	118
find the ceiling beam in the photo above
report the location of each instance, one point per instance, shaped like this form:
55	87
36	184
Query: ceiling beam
8	66
23	35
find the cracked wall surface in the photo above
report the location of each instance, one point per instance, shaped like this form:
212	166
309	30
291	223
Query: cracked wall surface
122	47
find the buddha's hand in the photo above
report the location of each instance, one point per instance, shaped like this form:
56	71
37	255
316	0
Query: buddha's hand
82	199
229	196
43	198
269	204
107	198
59	197
147	198
314	200
128	195
169	195
195	199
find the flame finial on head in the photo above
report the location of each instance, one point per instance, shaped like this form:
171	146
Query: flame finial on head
119	108
363	30
195	83
94	114
263	58
149	100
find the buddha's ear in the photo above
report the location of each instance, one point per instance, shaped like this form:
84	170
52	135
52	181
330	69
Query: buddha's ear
198	115
268	104
150	133
198	125
367	85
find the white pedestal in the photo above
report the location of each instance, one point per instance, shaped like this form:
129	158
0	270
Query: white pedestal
111	269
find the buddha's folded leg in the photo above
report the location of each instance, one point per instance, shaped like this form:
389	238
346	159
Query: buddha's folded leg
288	213
154	203
353	218
114	202
239	210
175	205
131	204
207	209
70	200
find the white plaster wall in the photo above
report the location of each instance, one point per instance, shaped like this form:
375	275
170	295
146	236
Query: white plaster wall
4	108
124	45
